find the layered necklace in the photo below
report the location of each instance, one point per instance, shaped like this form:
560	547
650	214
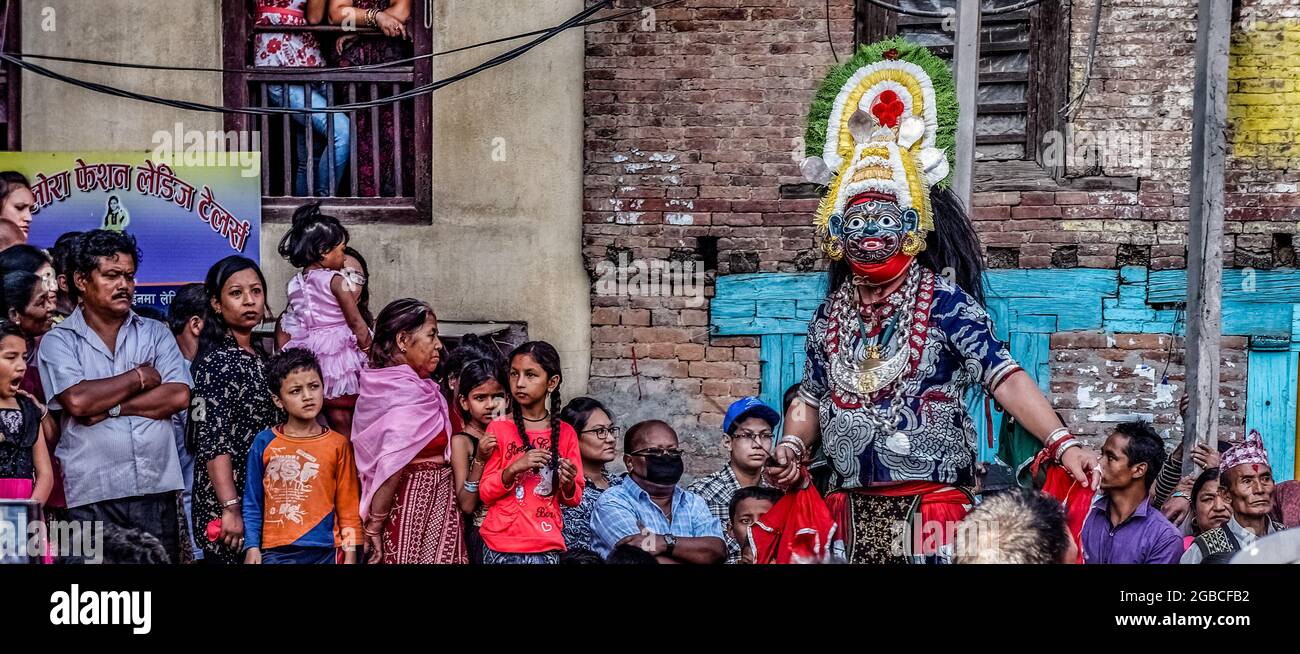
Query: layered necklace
883	355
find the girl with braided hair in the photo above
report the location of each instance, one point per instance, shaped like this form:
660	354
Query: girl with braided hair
536	468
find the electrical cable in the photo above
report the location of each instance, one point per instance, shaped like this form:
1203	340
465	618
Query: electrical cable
1077	101
361	67
265	111
829	39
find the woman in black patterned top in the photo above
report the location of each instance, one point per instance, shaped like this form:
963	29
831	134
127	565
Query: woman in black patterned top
231	404
597	436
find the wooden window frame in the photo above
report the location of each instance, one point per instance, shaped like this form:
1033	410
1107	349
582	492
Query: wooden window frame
237	55
11	79
1048	81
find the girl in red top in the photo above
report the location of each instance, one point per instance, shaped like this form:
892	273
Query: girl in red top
535	468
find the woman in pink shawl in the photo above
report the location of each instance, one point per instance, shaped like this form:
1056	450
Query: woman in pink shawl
401	438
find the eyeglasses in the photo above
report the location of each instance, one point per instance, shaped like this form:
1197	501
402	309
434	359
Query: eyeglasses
658	451
609	431
759	437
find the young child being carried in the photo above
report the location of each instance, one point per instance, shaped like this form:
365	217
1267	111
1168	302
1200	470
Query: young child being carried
322	315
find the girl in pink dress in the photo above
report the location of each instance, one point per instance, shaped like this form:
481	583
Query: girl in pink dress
322	315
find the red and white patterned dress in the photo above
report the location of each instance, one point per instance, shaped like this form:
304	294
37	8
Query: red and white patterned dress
292	49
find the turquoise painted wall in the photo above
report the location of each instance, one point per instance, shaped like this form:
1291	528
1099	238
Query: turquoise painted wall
1028	306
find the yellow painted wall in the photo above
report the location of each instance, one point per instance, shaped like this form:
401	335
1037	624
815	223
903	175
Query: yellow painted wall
1264	93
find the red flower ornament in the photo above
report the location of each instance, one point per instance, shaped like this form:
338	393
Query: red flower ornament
887	108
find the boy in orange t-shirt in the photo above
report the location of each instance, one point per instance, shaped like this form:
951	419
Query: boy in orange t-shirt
302	497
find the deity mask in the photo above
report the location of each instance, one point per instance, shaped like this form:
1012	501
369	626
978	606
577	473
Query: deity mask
874	231
884	121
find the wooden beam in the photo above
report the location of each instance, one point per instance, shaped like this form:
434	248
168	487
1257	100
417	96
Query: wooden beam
1205	226
966	65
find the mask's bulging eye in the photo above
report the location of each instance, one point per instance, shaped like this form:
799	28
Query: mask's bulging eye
856	223
888	222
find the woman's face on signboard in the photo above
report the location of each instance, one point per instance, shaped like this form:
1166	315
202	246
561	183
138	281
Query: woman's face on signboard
16	215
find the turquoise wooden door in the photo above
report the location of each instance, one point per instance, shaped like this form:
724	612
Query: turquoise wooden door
782	356
1271	401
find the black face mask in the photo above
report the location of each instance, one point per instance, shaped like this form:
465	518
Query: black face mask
664	470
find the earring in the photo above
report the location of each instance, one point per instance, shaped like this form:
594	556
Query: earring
833	248
912	244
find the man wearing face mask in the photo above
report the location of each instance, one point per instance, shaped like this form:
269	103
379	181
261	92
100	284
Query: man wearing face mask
653	512
902	335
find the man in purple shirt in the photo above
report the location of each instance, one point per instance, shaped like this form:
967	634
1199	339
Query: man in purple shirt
1121	526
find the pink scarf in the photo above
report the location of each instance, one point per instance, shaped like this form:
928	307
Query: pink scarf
398	414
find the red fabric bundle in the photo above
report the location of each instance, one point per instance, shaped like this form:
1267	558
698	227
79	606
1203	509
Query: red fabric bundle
1074	497
797	529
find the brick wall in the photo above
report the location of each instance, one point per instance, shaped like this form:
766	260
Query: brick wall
1102	379
692	128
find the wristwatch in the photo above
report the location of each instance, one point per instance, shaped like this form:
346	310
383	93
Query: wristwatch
670	541
1180	494
115	411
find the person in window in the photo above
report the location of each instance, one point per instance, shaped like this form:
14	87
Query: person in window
389	17
302	50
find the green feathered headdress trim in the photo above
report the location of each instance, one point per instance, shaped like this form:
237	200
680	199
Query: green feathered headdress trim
945	95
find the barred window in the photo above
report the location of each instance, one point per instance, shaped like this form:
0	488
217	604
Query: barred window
373	163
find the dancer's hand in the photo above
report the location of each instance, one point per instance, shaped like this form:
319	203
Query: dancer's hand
1082	464
786	472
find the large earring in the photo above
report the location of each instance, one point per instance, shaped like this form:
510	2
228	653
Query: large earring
833	248
912	244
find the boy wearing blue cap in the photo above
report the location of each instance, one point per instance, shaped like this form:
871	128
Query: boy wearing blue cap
748	428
